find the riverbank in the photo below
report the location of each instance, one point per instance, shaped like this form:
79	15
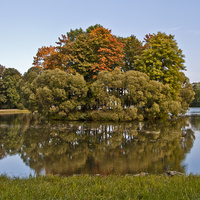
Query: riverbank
101	187
13	111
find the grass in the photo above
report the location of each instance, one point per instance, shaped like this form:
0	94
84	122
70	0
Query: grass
101	187
13	111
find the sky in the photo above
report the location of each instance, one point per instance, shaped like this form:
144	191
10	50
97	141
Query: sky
26	25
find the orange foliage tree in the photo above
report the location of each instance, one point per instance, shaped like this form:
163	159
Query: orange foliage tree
42	58
86	53
109	50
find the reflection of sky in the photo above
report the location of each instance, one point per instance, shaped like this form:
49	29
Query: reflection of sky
193	111
192	161
13	166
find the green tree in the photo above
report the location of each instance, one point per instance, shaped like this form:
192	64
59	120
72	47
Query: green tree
25	87
3	98
132	49
54	93
133	95
10	97
2	68
162	61
196	101
186	95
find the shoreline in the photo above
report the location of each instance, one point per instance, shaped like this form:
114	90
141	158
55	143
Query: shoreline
12	111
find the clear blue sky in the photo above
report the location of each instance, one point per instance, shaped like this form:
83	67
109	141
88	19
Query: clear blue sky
26	25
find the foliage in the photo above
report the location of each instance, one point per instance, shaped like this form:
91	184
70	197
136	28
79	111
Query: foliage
26	86
186	94
196	101
42	58
2	68
114	96
162	61
134	90
132	49
9	94
55	93
150	84
84	52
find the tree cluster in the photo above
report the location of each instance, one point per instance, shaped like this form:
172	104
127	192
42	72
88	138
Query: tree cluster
9	92
196	101
106	77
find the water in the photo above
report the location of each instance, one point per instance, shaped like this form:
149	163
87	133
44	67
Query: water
29	147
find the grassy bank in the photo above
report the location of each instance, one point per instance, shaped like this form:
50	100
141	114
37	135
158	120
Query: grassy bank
98	187
13	111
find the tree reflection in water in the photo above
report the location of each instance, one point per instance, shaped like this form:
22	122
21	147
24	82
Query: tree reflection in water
96	148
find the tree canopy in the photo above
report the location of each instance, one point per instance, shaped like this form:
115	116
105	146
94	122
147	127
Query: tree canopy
84	52
102	76
162	61
9	93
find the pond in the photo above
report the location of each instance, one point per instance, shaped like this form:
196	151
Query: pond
29	146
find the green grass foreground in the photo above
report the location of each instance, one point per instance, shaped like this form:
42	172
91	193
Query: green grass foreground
101	187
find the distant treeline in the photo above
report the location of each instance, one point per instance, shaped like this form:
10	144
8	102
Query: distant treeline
196	101
94	75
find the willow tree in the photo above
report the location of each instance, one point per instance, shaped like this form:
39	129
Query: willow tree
133	95
54	93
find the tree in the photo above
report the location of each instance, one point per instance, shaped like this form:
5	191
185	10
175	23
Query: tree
119	74
186	94
10	72
2	68
25	87
196	101
9	92
134	95
91	52
132	48
3	98
42	58
84	52
54	93
109	50
162	61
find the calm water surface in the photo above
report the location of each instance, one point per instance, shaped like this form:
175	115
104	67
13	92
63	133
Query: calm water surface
30	147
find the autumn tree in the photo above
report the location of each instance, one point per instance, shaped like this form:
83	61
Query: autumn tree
91	52
84	52
109	51
131	78
162	61
43	58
